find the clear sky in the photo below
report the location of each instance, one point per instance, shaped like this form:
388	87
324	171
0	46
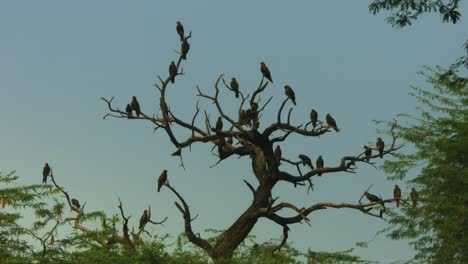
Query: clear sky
57	58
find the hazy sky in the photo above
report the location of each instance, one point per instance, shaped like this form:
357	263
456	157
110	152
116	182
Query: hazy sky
57	58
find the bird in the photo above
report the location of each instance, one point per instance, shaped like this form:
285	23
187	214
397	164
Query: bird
4	201
162	179
290	93
278	153
265	71
242	116
178	152
172	71
128	109
143	219
313	117
185	47
372	197
235	86
319	164
76	203
219	124
367	152
380	146
306	160
331	122
397	195
180	30
45	172
135	106
414	197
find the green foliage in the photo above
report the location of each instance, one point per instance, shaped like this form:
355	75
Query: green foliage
405	11
342	257
438	225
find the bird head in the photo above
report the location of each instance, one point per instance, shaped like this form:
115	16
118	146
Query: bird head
233	79
379	139
47	164
178	23
164	171
396	186
366	147
262	63
366	193
145	211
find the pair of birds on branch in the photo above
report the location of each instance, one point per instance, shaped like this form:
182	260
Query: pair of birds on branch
133	106
380	145
306	161
396	196
46	173
249	116
331	123
234	85
145	217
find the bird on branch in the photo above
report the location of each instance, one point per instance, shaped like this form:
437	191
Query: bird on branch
397	195
45	172
313	117
319	164
278	153
235	86
76	203
331	122
380	146
367	152
172	71
128	109
219	124
414	197
290	93
135	106
265	71
143	219
306	160
162	179
180	30
185	47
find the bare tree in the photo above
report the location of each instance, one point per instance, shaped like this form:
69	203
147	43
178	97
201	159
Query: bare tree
242	136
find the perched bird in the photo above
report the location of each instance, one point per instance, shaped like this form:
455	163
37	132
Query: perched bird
306	160
290	93
414	197
242	117
235	86
313	117
372	197
397	195
177	152
331	122
180	30
45	172
278	153
265	71
128	109
4	201
172	71
219	124
135	106
162	179
76	203
367	152
185	47
319	164
143	219
380	146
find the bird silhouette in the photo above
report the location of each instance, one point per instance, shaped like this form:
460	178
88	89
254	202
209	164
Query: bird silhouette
172	71
162	179
180	30
219	124
367	152
290	93
380	146
313	117
278	153
135	106
306	160
45	172
397	195
185	47
331	122
76	203
128	109
235	86
143	219
319	164
265	71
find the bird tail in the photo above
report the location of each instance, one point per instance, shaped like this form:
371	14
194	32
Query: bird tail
237	94
184	56
270	79
398	203
173	79
381	154
159	187
336	129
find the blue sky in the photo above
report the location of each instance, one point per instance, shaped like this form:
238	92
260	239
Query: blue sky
59	57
